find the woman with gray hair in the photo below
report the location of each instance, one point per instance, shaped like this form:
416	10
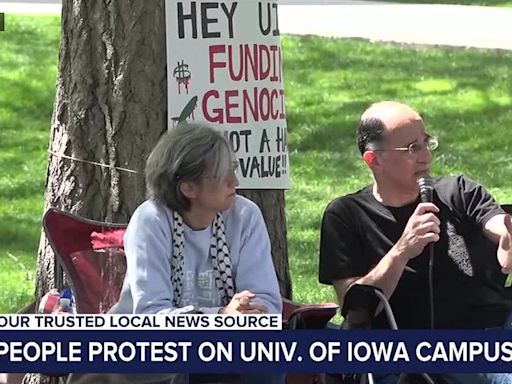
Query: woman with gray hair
195	245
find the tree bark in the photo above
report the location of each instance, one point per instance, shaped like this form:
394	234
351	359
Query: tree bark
272	205
111	108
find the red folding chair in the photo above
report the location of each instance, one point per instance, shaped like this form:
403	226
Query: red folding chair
92	256
307	316
91	253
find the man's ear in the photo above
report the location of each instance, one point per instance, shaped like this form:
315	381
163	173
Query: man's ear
370	158
188	189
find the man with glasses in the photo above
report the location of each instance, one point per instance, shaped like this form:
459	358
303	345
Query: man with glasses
381	235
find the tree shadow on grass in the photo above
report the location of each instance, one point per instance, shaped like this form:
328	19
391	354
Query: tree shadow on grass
19	234
42	33
26	71
436	81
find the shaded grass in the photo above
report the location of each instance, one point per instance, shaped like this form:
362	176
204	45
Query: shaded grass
28	66
465	96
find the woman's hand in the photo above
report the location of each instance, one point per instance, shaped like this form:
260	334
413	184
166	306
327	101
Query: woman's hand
241	304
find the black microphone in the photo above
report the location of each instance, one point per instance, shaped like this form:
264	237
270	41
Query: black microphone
426	185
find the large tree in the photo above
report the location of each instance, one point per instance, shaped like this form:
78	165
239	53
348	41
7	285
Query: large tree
110	108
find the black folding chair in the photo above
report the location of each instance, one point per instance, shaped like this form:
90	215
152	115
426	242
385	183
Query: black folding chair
359	308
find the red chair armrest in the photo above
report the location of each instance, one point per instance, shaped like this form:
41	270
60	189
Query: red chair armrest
309	316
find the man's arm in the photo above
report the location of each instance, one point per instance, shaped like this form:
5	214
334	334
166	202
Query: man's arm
384	275
499	229
482	209
421	229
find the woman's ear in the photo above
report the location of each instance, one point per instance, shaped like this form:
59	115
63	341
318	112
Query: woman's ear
188	189
370	158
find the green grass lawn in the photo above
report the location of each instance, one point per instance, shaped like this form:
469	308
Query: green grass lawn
28	66
464	95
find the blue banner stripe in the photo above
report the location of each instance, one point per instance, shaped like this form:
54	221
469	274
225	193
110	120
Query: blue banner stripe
272	351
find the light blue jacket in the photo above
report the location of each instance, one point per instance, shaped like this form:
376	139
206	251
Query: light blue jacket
147	286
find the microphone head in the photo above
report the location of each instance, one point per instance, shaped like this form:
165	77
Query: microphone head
426	186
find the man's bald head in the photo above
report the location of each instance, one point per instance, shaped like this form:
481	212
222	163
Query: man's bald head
380	117
391	113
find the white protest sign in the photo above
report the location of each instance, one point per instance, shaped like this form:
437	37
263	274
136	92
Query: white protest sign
224	66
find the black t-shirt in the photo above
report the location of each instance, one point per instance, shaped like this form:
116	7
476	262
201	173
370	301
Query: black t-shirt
357	231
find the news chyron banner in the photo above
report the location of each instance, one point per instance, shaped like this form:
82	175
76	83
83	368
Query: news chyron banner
224	66
248	343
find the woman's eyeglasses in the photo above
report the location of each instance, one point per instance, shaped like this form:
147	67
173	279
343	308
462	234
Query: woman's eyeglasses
234	167
232	173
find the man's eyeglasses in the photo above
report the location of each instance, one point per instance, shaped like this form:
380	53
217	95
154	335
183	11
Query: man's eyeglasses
430	143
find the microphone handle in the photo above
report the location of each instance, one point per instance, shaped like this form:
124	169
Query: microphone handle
426	188
431	283
427	195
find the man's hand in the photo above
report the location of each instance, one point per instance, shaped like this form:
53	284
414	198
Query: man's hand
241	304
422	228
504	253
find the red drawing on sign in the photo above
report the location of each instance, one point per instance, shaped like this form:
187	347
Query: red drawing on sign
182	75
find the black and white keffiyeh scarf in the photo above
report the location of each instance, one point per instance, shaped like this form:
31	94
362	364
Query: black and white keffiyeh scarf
219	253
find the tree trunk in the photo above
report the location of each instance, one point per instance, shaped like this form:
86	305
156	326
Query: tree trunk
110	108
272	205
